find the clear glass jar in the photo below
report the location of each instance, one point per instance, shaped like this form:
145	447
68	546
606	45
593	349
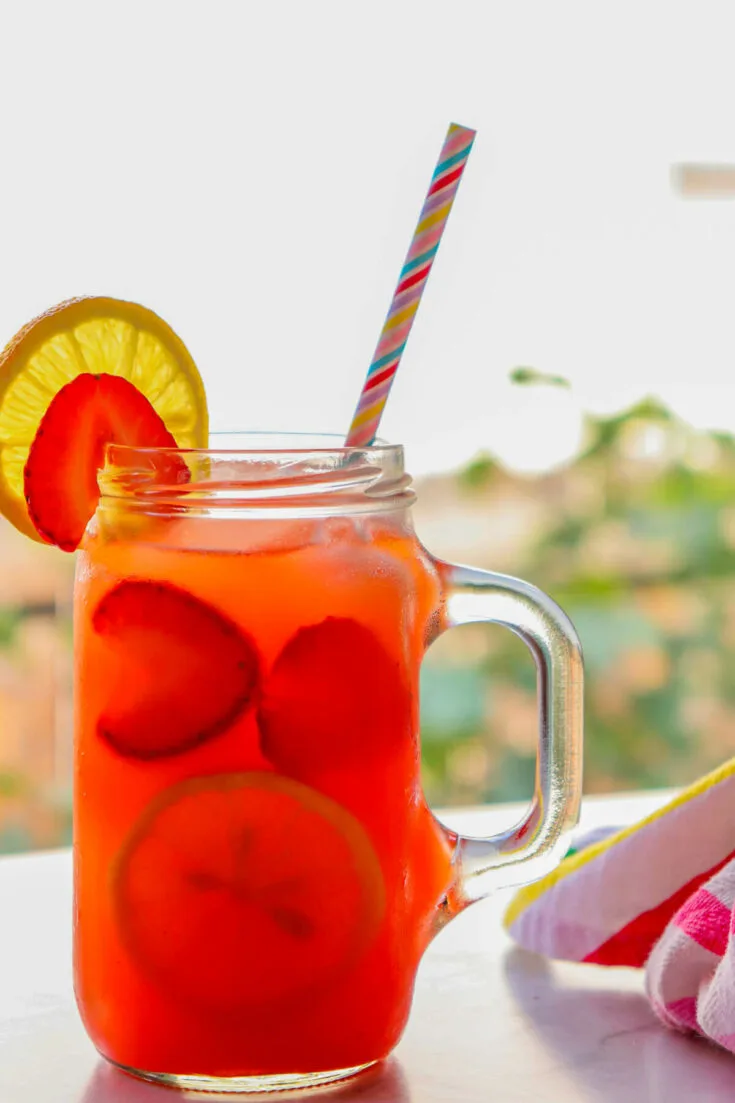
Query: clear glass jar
257	873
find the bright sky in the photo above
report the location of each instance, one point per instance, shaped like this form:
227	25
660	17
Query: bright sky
254	172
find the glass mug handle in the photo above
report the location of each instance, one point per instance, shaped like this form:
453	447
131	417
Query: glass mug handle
540	840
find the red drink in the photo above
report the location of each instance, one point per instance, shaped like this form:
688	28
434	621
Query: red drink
257	871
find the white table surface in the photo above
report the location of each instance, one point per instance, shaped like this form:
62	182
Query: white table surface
489	1022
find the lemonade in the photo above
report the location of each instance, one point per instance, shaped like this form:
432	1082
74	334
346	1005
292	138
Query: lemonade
257	871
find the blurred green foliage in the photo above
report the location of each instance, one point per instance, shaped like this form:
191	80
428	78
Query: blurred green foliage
636	540
8	625
526	376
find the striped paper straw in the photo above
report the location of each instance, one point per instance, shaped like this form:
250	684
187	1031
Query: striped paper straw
411	284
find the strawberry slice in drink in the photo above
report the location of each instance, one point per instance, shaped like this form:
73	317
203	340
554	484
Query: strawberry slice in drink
238	891
335	696
180	672
60	477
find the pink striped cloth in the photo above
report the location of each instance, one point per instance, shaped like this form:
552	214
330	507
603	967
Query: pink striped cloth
659	896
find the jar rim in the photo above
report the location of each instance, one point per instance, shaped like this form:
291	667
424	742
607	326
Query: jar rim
275	472
246	443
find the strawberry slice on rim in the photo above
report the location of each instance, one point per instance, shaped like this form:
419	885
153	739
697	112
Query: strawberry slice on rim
180	672
60	478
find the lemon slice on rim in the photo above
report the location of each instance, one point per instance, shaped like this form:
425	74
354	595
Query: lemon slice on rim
96	335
